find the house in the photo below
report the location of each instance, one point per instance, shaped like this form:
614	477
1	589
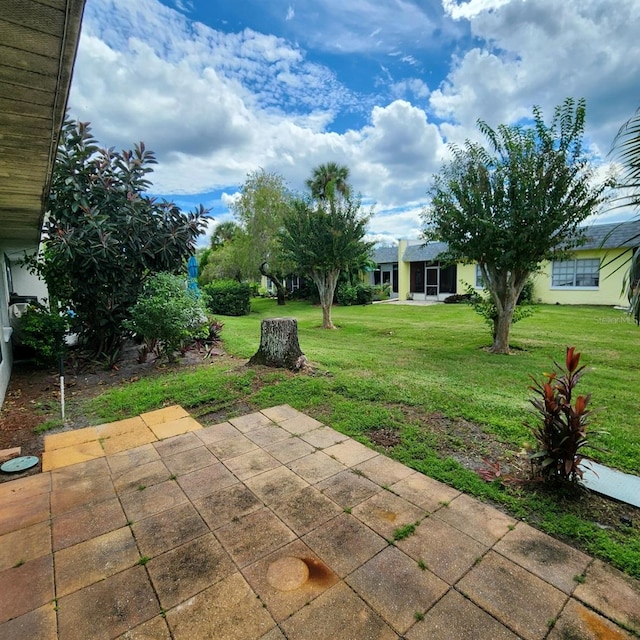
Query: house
594	275
38	43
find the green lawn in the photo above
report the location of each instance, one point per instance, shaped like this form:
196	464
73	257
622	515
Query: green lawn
393	365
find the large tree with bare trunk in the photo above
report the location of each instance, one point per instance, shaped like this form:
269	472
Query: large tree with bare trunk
514	204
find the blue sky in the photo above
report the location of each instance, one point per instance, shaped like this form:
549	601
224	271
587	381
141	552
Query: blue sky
219	88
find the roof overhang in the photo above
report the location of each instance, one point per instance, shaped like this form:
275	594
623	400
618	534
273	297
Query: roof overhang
38	43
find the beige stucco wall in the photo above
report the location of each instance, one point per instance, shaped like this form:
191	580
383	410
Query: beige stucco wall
404	272
613	267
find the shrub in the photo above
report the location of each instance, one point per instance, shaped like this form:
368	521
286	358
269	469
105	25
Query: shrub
563	429
346	294
364	294
166	315
526	295
382	292
43	333
228	298
457	298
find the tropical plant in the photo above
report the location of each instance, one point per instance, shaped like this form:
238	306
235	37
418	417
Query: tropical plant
321	240
166	316
562	432
626	149
103	237
43	332
327	180
517	203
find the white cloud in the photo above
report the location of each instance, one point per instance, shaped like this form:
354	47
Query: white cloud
470	9
290	13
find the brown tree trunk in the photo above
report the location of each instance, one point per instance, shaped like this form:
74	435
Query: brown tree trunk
502	329
281	290
279	345
326	283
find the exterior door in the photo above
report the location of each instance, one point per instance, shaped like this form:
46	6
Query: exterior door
432	276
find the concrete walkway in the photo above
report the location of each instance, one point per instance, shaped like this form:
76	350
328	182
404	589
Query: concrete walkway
274	526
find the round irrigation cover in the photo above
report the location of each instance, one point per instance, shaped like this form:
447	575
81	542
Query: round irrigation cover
19	464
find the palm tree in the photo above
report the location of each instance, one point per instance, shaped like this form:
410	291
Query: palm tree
327	180
626	149
223	233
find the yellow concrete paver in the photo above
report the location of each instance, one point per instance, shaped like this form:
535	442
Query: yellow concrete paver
138	436
69	438
121	426
71	455
168	414
175	427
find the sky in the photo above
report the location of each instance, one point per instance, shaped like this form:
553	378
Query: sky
220	88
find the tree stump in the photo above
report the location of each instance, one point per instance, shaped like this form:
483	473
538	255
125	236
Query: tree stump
279	345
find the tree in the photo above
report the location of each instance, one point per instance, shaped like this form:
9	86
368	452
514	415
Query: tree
509	207
104	237
225	232
626	149
263	203
324	239
220	260
327	180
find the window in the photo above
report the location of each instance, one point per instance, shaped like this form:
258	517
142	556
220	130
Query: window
576	273
479	281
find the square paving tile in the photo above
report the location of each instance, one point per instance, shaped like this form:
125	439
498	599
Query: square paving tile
254	536
225	505
204	482
250	422
383	470
174	427
394	586
289	449
69	438
454	618
478	520
25	487
447	552
217	432
127	460
23	512
71	455
26	587
168	529
179	444
350	452
348	489
268	435
515	597
281	412
188	569
231	447
344	543
81	492
154	629
93	560
121	426
576	621
86	522
168	414
300	424
40	623
108	608
305	510
289	578
227	611
251	464
341	615
612	593
424	492
544	556
154	499
129	440
274	634
386	512
191	460
25	544
88	475
143	476
323	437
273	485
316	467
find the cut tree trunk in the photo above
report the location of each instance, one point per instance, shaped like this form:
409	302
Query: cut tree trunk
279	345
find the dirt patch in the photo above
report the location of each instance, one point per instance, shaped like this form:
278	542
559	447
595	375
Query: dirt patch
385	438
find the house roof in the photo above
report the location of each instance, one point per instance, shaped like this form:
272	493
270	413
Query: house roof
38	42
382	255
613	235
427	252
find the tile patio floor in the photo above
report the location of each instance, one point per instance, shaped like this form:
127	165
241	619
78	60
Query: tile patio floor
273	526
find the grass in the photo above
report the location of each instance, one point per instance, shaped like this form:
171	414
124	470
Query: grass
392	366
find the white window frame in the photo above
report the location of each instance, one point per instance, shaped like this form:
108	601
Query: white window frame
479	281
574	269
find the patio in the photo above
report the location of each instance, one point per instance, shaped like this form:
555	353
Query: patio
272	526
